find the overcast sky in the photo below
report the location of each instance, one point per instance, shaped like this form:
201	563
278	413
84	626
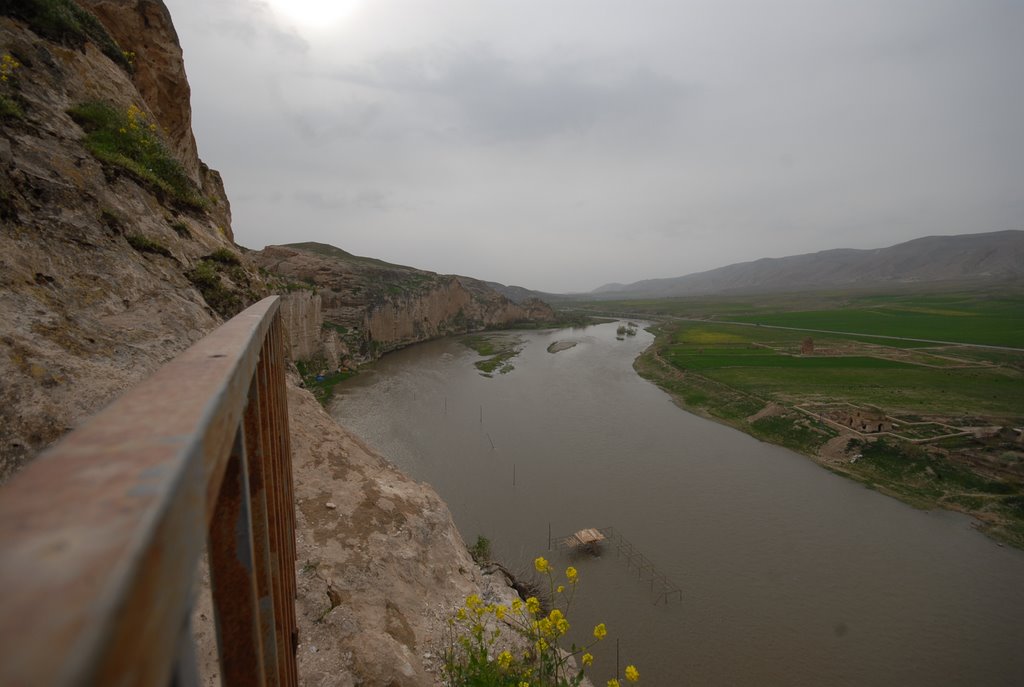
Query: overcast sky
562	144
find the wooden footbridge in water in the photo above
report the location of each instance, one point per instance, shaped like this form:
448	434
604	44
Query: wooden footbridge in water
594	539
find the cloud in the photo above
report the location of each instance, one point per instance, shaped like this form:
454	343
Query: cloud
365	200
496	98
250	22
597	141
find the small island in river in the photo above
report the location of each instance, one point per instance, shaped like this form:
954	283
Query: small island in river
561	346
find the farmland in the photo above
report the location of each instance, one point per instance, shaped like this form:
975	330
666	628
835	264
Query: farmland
799	388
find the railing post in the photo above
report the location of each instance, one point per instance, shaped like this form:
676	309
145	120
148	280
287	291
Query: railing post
256	440
99	593
232	568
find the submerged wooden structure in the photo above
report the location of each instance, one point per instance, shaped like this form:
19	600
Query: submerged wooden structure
592	540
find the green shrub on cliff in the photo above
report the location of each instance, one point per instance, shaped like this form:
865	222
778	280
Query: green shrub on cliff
128	140
65	22
206	278
145	245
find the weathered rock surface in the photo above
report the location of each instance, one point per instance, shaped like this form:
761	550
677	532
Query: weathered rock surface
84	314
307	338
383	307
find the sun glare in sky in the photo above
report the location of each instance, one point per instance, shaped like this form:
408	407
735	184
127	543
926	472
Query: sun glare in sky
314	13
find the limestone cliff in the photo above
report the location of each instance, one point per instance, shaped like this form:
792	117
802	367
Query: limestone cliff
379	307
106	271
103	273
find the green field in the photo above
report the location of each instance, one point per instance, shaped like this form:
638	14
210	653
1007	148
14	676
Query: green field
757	379
994	317
994	322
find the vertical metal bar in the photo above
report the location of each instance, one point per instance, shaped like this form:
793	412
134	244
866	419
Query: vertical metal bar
186	665
231	575
255	442
288	501
273	489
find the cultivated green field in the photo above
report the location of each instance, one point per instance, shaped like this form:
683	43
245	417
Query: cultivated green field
991	317
736	356
994	321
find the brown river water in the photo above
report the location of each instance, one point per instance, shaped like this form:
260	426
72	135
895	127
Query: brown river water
790	575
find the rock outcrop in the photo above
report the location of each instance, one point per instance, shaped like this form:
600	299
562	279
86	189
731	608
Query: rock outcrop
307	337
95	264
380	307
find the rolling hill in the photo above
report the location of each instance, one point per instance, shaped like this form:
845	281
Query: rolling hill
965	258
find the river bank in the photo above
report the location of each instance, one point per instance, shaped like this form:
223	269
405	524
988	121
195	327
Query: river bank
772	553
926	476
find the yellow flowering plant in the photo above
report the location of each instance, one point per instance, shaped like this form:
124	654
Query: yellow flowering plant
8	67
473	658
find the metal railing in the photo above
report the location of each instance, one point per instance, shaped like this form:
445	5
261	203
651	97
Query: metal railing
101	536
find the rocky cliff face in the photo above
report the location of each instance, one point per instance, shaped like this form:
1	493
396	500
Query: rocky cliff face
380	307
97	265
307	337
105	273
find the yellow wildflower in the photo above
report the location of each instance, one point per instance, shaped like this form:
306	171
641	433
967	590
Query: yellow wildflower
560	588
613	683
461	614
533	605
570	574
517	605
541	564
541	645
499	611
600	631
632	674
524	683
505	660
562	626
588	659
473	600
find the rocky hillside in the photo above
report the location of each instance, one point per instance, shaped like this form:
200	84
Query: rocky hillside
965	259
116	253
107	268
378	307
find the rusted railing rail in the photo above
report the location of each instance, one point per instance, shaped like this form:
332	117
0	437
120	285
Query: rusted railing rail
101	536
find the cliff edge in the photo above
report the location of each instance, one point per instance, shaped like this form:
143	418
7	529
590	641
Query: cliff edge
116	253
378	307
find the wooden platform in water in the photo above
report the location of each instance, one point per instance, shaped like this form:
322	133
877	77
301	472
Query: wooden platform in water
588	537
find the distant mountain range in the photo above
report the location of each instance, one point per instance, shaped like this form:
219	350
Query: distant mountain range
967	258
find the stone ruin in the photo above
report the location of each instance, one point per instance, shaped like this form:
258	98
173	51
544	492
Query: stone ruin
865	420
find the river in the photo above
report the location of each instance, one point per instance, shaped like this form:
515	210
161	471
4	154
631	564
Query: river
790	575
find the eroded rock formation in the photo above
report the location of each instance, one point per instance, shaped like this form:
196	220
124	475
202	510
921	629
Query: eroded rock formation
380	307
94	263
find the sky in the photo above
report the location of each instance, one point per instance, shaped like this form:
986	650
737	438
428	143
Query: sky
563	144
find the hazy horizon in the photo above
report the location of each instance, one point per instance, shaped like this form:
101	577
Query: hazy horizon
561	147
